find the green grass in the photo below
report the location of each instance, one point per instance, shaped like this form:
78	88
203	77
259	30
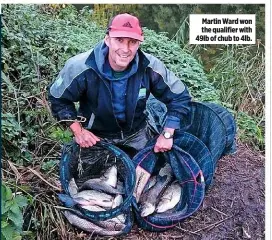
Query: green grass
237	72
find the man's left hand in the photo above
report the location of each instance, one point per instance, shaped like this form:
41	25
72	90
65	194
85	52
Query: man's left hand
163	144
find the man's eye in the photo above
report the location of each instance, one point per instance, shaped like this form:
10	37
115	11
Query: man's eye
133	42
119	39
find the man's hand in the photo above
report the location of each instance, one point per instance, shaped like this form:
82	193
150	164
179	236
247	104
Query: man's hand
83	137
163	144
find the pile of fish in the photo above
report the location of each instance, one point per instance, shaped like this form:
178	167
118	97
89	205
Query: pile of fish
97	195
159	194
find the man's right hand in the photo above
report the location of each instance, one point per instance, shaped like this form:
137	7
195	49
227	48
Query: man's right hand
83	137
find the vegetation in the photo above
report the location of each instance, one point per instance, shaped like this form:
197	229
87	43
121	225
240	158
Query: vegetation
237	72
169	17
11	210
36	42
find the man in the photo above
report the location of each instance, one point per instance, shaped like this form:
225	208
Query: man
112	83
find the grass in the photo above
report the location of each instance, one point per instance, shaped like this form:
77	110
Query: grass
238	72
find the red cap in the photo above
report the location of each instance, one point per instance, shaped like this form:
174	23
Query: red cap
125	25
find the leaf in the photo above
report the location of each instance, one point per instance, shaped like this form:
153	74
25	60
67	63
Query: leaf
14	207
21	201
7	232
4	207
3	191
7	81
18	237
3	210
6	193
17	219
4	224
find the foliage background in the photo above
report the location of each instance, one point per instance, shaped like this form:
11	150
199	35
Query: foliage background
38	39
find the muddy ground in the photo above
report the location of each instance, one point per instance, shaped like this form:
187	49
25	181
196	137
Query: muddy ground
234	206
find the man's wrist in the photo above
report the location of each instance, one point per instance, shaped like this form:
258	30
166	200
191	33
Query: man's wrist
170	130
76	127
168	133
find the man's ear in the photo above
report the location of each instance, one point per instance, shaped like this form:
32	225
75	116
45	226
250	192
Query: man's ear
107	39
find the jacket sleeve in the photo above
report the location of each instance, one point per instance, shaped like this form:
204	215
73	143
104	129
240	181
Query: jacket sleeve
170	90
64	92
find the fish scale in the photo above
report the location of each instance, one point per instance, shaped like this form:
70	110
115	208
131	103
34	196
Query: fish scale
170	197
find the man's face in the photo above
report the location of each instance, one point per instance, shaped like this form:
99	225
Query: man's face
121	51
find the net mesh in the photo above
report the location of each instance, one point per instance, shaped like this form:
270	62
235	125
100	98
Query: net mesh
189	176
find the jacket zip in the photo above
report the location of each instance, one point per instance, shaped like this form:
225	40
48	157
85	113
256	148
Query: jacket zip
134	110
121	130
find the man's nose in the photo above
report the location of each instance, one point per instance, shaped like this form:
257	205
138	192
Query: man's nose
125	47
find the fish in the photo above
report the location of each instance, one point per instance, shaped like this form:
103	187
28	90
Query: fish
101	185
72	187
150	198
110	176
89	226
169	198
93	208
151	182
173	211
142	177
116	223
111	224
69	201
120	219
93	197
166	171
117	201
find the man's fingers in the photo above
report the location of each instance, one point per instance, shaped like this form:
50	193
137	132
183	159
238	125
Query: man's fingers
86	139
85	142
161	149
86	145
95	137
157	149
90	138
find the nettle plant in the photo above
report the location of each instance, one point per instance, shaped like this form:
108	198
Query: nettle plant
12	217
